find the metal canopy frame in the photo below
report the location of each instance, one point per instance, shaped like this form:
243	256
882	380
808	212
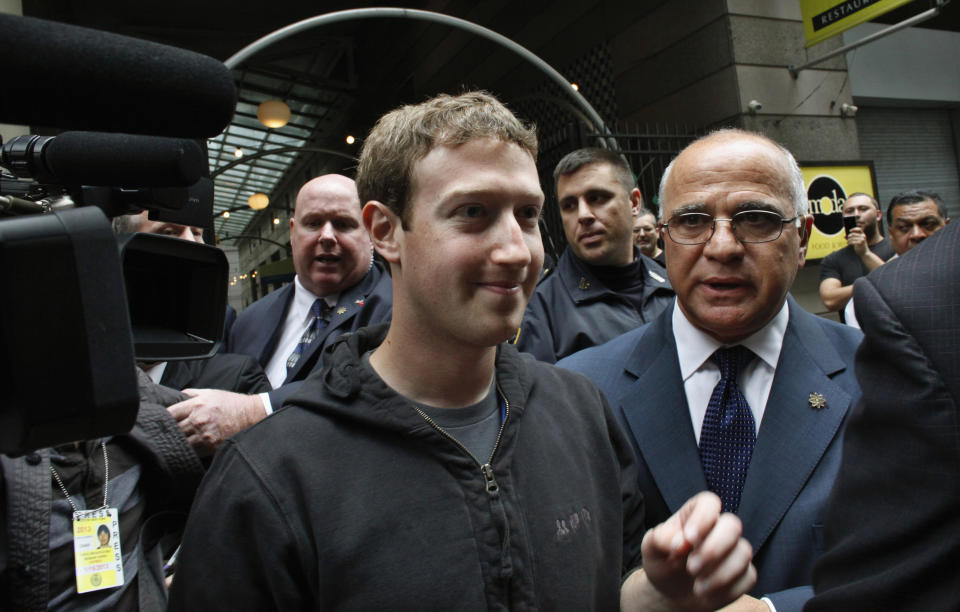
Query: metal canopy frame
265	71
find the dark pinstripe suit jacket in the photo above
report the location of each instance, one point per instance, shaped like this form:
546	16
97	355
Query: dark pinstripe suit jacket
892	528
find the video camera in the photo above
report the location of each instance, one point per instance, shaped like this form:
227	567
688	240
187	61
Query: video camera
80	304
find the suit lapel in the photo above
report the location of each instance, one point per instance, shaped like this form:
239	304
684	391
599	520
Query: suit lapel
662	429
273	328
348	305
793	435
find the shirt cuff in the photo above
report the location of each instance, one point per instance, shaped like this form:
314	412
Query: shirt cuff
769	603
268	408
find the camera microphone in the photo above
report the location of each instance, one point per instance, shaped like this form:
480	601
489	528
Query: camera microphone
92	158
110	83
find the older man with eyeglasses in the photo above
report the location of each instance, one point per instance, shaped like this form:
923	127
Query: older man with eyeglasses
736	389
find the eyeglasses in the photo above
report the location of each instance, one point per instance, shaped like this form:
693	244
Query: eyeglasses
749	226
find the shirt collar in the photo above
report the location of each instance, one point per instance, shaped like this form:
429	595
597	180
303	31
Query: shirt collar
694	347
303	298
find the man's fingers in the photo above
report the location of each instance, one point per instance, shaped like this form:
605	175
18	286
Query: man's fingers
665	541
730	581
718	543
699	515
721	571
685	528
181	410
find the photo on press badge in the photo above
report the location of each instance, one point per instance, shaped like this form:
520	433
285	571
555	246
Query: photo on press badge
96	546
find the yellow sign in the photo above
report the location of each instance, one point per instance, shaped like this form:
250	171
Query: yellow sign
823	19
827	189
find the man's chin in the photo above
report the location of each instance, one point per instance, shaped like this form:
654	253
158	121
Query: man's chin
323	284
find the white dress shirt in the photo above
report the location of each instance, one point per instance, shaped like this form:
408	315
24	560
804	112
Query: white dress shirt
700	375
155	372
298	318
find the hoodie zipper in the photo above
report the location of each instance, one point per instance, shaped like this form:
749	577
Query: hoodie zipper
498	512
486	469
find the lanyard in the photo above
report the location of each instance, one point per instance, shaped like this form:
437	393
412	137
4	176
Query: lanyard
106	480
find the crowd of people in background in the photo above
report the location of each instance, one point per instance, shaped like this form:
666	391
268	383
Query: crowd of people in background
422	420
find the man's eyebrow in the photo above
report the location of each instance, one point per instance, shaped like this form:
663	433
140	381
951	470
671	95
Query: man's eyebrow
758	205
696	207
600	190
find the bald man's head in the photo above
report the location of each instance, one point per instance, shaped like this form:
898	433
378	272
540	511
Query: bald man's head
331	249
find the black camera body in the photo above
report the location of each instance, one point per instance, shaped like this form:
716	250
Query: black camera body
80	305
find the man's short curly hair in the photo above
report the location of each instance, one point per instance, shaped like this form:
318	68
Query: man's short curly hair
407	134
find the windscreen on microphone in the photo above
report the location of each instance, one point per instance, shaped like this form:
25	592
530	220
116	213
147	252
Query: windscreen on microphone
111	160
107	82
123	160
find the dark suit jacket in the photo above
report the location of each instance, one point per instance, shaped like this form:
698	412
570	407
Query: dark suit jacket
893	520
228	320
238	373
259	327
798	448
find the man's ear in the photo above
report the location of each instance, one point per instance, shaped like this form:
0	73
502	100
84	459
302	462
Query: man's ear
383	226
805	228
636	201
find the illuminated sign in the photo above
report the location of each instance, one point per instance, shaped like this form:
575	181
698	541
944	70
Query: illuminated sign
828	185
823	19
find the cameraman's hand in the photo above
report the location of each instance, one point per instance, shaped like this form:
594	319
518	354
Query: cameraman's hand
695	560
211	416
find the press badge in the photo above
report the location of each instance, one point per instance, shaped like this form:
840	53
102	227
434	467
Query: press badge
96	549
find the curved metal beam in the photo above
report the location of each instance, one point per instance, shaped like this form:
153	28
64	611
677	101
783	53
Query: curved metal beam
565	105
285	247
235	60
265	152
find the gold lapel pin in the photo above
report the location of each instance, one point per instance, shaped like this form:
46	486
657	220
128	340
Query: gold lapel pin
341	310
584	284
817	401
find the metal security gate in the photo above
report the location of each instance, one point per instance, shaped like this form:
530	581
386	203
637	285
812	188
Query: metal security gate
647	147
911	148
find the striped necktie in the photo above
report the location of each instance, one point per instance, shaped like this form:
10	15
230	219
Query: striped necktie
320	310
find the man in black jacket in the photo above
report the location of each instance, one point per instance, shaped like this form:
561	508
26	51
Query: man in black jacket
430	466
603	285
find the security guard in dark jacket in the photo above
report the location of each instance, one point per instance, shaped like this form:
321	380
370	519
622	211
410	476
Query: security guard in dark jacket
573	308
602	285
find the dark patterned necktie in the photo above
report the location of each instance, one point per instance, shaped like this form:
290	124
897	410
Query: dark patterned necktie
319	310
728	433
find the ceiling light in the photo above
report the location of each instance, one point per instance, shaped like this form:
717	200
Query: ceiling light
575	86
273	113
238	153
226	214
276	220
258	201
351	139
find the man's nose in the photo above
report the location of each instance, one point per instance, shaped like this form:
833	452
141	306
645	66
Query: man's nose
723	243
510	246
584	212
327	233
